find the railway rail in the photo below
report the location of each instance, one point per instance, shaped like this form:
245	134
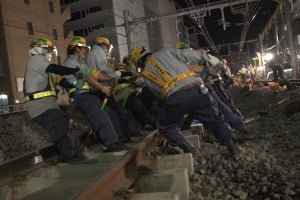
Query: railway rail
295	82
36	175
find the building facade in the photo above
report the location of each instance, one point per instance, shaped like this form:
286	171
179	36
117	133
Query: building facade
23	21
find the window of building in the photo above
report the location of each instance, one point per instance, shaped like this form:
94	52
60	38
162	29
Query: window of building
54	33
95	9
1	67
65	2
78	32
97	27
30	28
86	32
51	7
83	14
75	15
26	2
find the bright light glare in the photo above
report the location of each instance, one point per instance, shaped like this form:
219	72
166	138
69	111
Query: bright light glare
268	57
55	51
260	68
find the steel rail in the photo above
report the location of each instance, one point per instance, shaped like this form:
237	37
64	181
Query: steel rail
119	174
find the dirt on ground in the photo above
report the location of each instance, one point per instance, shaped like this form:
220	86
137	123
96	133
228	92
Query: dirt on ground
269	169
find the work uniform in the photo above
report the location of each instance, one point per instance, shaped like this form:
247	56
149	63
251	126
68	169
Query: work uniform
167	77
40	103
90	106
97	59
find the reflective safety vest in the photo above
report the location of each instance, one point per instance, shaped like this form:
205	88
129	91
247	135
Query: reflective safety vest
50	90
85	86
166	82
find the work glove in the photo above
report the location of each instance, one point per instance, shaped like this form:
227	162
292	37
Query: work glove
83	72
78	83
139	81
211	60
107	90
203	89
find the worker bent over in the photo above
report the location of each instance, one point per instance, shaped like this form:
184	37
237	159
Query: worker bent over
181	91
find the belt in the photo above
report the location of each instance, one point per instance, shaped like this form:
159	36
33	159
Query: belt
192	85
39	95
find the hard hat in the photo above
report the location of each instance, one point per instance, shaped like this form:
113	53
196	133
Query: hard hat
135	55
102	40
181	45
42	42
77	41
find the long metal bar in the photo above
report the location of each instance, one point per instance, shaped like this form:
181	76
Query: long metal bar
127	28
235	43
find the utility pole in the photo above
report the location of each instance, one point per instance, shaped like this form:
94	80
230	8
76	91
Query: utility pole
290	35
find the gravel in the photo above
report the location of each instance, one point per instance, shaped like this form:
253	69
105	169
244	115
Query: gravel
271	164
269	170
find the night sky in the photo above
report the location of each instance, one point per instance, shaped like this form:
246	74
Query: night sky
234	22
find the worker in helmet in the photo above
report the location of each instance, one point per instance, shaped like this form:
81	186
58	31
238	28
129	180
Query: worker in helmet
97	59
40	99
227	68
181	45
126	93
213	77
84	101
214	81
181	91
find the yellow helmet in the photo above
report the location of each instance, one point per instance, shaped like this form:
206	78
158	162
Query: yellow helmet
181	45
102	40
42	42
135	54
77	41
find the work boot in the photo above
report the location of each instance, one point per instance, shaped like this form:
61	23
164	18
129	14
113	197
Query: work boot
78	159
243	134
243	130
114	148
235	150
189	148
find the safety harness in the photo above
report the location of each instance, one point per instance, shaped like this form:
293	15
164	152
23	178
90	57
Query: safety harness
46	93
166	82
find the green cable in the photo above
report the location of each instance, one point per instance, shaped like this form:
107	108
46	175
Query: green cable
126	98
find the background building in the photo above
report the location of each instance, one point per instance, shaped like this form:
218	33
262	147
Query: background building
21	22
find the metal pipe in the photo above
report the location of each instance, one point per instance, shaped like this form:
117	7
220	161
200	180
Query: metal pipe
127	28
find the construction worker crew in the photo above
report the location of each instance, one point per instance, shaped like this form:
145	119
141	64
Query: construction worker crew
85	102
40	98
166	75
97	59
